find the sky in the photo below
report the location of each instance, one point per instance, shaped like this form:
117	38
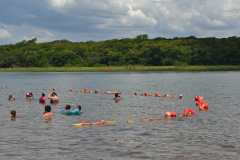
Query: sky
98	20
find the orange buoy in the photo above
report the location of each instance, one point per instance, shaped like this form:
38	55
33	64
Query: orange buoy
206	105
168	114
54	89
135	93
159	118
197	104
70	90
166	95
144	120
202	102
185	113
145	93
191	111
96	91
196	98
173	114
157	94
180	96
151	119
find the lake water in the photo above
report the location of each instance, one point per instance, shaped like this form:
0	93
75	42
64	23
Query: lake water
212	134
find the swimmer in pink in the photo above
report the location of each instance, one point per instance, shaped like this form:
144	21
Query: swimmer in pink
43	99
53	97
47	114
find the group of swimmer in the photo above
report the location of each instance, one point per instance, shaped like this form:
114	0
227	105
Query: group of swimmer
47	113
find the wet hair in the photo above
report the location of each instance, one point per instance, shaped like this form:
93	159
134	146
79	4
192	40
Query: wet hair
47	108
10	95
31	94
116	94
54	93
43	94
68	107
13	112
79	107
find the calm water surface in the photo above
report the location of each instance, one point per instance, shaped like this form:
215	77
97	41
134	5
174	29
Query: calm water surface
212	134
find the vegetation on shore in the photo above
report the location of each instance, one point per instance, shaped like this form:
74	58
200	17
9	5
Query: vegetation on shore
139	53
125	68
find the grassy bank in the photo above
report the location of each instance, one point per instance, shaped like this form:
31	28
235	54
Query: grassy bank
125	68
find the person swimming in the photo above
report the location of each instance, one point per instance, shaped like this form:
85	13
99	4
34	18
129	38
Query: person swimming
29	96
47	113
78	107
11	98
53	97
43	99
117	97
14	114
68	108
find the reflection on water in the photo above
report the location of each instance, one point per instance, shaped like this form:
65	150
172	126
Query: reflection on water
212	134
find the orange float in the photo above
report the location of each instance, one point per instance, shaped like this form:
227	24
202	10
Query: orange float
173	114
197	104
135	93
168	114
159	118
185	113
84	123
144	120
151	119
180	96
145	93
206	105
191	111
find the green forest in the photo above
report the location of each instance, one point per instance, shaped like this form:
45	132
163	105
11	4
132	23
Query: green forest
178	51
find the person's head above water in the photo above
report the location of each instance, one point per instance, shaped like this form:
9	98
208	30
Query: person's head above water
43	94
78	107
47	108
68	107
54	93
116	94
10	96
13	112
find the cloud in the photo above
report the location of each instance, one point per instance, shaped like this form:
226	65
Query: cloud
106	19
4	34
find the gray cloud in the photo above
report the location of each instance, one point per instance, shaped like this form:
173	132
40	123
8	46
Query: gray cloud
106	19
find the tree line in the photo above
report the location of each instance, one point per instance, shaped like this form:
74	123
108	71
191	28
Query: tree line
119	52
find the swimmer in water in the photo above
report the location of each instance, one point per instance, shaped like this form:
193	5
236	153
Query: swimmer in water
43	99
29	96
47	114
14	114
53	97
117	97
78	107
11	98
68	108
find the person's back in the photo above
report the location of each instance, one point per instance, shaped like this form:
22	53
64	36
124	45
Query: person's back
42	99
47	114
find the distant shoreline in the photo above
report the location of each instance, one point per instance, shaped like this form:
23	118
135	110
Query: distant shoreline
125	68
